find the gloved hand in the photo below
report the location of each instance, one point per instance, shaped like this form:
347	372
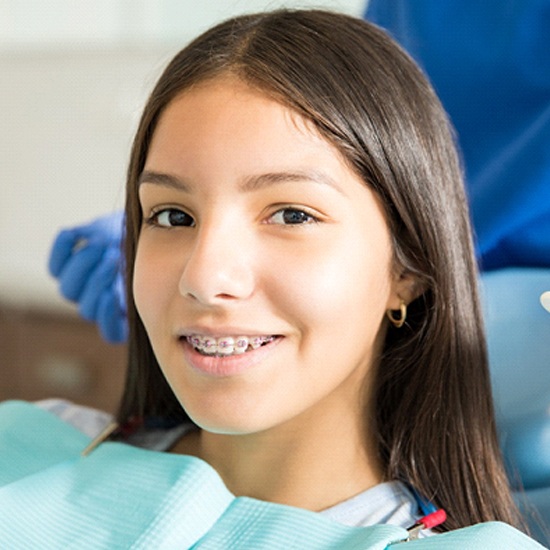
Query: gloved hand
87	261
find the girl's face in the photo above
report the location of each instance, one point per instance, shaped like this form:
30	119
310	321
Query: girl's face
261	248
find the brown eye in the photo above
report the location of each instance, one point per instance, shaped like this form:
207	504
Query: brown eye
173	218
292	216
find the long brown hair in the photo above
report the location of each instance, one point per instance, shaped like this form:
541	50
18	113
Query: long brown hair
434	415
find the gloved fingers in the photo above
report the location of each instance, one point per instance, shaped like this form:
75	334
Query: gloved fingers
76	271
100	280
62	250
111	319
87	261
106	230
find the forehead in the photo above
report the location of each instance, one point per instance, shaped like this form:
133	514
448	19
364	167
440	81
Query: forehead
227	118
228	99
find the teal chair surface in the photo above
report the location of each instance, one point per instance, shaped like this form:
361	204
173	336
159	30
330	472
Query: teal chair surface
518	334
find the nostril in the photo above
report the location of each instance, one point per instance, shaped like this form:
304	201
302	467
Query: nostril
225	296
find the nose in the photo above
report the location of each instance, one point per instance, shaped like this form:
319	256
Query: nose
219	268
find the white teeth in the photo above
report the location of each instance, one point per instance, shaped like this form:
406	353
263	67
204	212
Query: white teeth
256	342
209	345
241	344
195	341
227	345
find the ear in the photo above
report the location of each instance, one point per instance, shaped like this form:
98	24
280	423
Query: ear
406	287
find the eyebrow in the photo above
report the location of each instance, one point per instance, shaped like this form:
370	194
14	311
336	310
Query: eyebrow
164	180
249	183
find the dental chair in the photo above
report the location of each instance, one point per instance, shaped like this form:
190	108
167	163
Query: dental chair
518	334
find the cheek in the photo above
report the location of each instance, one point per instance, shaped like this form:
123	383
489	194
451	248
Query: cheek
336	286
149	284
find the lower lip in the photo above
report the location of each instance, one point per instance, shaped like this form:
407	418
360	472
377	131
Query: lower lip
231	365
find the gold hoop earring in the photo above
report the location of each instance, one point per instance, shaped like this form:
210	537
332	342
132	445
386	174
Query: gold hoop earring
398	322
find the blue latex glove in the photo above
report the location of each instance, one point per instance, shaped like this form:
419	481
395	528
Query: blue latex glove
87	261
490	66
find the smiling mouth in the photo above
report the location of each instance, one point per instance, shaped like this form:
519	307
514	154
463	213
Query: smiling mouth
227	345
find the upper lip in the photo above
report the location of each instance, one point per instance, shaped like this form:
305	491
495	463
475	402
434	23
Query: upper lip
218	332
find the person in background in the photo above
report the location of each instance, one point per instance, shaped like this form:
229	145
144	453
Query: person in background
489	64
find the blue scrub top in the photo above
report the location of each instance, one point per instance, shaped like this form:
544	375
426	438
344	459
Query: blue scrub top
489	62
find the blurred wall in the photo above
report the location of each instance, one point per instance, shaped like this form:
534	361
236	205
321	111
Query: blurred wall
74	75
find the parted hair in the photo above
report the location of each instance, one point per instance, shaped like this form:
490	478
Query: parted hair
434	419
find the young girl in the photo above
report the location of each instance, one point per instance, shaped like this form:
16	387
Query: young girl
301	292
293	179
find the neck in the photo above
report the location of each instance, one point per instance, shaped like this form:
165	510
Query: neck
308	463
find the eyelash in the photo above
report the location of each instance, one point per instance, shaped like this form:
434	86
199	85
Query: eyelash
154	218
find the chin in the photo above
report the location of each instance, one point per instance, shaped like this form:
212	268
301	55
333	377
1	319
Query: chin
224	420
232	422
226	426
